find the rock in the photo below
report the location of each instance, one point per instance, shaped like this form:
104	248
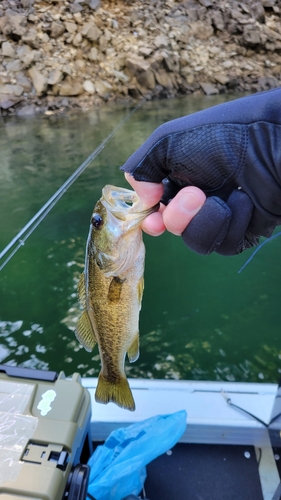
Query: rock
145	51
31	39
201	30
221	78
135	64
89	87
217	20
57	29
70	89
103	88
163	79
24	82
120	76
94	4
93	54
146	79
71	27
77	40
91	32
13	23
161	41
27	3
8	50
22	51
208	88
8	101
258	12
28	110
227	64
251	37
39	80
14	66
55	77
16	90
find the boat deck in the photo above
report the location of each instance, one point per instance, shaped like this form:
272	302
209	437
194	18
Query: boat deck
224	454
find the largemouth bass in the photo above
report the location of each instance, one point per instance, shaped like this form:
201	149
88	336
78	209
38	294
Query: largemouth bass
110	290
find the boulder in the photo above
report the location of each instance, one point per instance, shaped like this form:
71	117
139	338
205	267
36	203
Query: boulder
57	29
70	89
24	82
16	90
103	88
71	27
8	101
208	88
13	23
39	80
91	32
55	77
8	50
89	87
163	79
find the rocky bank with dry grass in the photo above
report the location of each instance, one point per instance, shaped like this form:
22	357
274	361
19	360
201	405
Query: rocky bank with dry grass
57	54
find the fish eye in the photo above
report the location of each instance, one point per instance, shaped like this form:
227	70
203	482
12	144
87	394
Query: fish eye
97	221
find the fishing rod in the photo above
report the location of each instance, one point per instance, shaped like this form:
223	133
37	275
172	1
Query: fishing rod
19	240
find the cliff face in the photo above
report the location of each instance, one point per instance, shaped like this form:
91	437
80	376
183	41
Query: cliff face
56	54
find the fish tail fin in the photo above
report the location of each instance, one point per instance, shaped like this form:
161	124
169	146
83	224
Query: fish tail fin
117	392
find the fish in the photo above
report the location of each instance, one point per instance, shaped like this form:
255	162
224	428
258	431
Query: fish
110	290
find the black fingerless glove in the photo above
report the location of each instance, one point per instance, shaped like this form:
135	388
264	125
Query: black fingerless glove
233	153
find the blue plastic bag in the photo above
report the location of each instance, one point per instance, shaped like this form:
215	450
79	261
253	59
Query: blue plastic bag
118	466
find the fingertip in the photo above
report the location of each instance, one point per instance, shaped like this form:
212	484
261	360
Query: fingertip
183	208
153	224
150	193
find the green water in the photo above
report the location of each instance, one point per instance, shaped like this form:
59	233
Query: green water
200	319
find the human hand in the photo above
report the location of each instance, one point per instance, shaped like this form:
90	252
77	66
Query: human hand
176	215
230	152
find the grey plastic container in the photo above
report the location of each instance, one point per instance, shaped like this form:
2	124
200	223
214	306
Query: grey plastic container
44	435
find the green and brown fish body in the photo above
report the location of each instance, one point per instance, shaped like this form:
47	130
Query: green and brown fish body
110	290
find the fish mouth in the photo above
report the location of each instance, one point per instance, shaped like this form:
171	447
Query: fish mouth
122	202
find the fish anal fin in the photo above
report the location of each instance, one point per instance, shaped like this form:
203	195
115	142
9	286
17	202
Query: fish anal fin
115	288
140	290
117	392
133	351
84	332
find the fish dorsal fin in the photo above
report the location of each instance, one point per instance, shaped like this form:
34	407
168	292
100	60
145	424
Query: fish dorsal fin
133	351
82	290
84	332
115	288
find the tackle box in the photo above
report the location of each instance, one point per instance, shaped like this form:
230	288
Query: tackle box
44	435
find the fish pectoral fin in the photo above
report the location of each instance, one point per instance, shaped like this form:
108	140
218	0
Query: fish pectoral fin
82	290
140	290
133	351
84	332
115	287
117	392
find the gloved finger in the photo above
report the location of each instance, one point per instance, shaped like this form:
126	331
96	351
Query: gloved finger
182	208
150	193
209	227
221	226
241	208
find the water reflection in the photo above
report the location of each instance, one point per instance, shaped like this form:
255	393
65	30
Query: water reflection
200	319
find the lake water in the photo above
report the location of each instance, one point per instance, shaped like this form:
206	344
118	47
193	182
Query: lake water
200	319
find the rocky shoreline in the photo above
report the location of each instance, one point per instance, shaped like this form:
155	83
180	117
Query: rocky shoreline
57	55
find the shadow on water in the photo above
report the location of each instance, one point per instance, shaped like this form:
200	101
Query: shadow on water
200	319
